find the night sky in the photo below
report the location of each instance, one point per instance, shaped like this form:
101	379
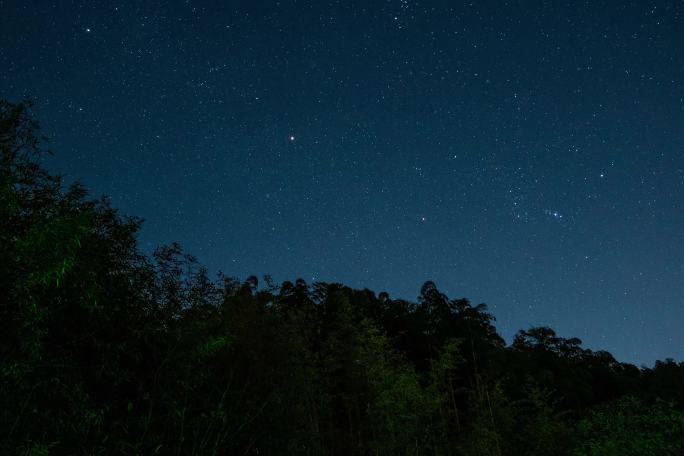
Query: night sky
527	154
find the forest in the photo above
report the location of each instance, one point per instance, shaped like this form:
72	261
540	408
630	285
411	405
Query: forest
107	350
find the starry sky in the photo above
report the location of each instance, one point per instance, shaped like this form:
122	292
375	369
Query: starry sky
526	154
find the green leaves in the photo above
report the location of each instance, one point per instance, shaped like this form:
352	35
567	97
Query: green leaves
630	427
211	346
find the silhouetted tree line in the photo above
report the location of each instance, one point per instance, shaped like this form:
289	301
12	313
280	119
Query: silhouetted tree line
104	350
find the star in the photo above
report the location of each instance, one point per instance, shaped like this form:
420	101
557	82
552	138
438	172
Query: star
554	214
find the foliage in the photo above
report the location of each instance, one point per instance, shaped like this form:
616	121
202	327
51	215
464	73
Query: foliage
104	350
631	427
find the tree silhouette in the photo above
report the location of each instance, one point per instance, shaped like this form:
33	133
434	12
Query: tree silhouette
105	350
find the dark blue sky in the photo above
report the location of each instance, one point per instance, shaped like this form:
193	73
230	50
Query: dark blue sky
525	154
